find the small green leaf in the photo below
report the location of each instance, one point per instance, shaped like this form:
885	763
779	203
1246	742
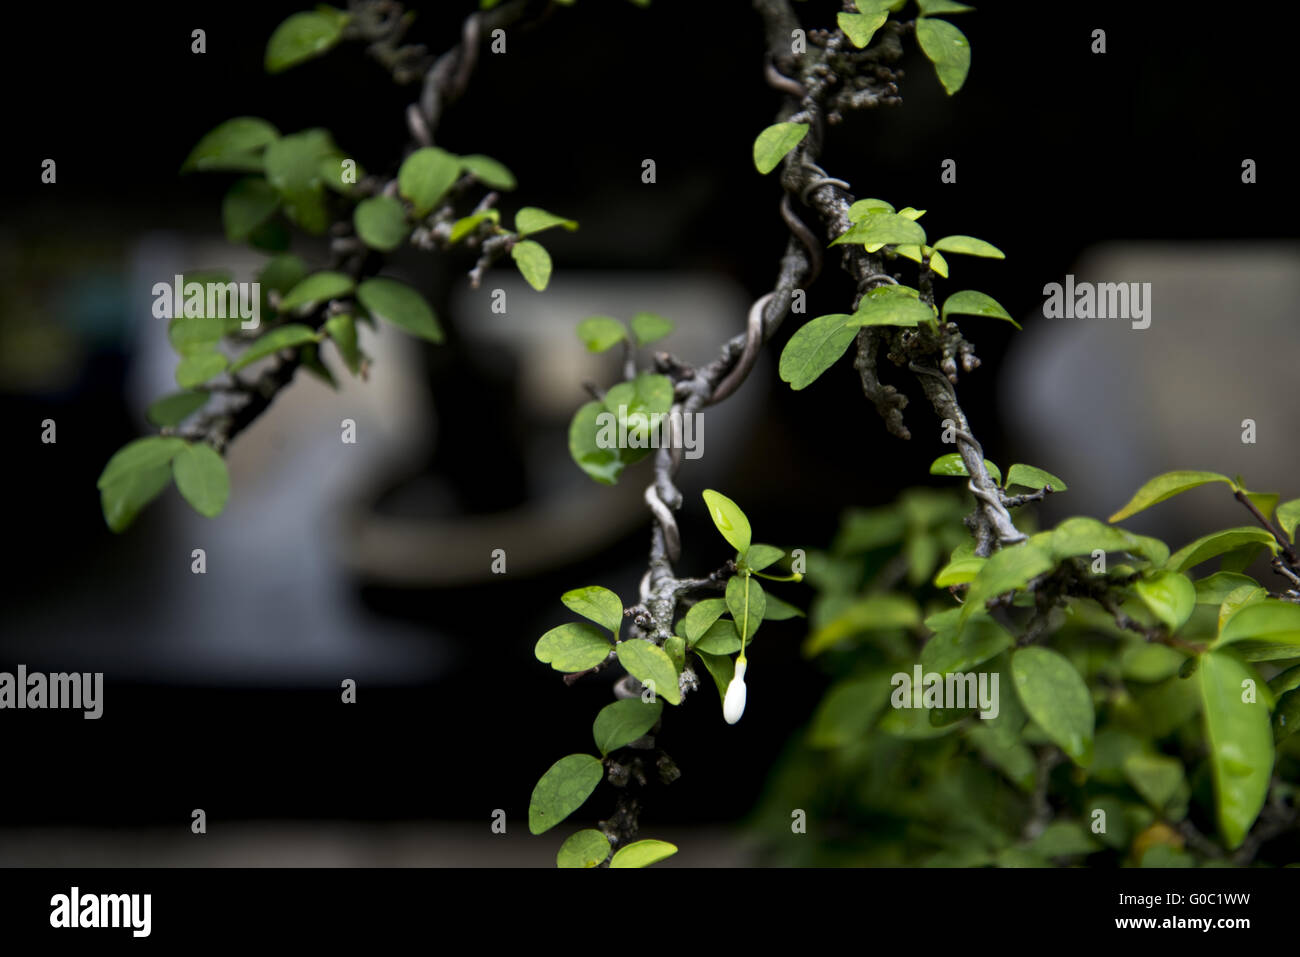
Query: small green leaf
123	498
747	602
1164	486
303	36
488	171
958	646
1007	569
650	665
1262	629
1288	517
1215	588
814	348
948	49
317	288
1057	698
865	207
762	556
774	142
599	333
331	170
969	246
622	722
292	166
959	571
865	614
249	203
730	520
190	335
700	618
721	668
381	223
968	302
235	144
281	273
931	7
343	330
174	409
1155	776
534	263
721	638
596	603
952	464
642	854
883	228
587	848
575	646
197	368
648	328
1239	743
467	224
531	220
891	306
1219	543
398	303
281	337
861	27
425	176
563	789
202	479
1170	596
1027	476
602	463
139	455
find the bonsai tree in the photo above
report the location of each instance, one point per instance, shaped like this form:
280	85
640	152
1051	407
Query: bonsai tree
1134	702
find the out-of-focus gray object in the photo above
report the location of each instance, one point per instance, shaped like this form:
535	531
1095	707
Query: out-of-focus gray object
1106	406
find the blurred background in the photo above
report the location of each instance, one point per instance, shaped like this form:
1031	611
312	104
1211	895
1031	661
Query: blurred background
373	561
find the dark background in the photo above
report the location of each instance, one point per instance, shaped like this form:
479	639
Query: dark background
1056	148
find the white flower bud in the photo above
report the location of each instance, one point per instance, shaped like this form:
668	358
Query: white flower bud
733	705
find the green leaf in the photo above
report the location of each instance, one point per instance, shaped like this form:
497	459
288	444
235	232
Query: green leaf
1214	589
488	171
381	223
1166	486
1288	517
968	302
864	207
232	145
531	220
883	228
174	409
281	273
959	571
650	665
1009	568
602	464
774	142
931	7
126	495
721	638
599	333
198	368
1170	596
1027	476
425	176
730	520
343	330
1240	744
952	464
747	602
249	203
642	854
1082	535
861	27
948	49
814	348
139	455
1286	716
622	722
1217	543
398	303
700	618
303	36
534	263
1156	777
587	848
847	710
1144	661
1263	630
874	612
281	337
763	556
575	646
969	246
190	335
317	288
891	306
292	166
1237	599
330	168
202	479
1056	697
596	603
562	790
648	328
958	646
467	224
